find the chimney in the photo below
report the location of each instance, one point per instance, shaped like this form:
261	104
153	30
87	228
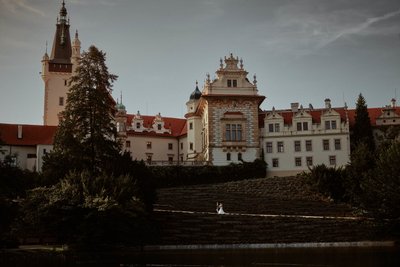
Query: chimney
327	103
19	134
294	107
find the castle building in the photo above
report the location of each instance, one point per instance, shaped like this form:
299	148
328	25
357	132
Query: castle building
223	123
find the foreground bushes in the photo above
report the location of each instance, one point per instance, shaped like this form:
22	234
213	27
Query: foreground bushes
371	181
328	181
190	175
87	211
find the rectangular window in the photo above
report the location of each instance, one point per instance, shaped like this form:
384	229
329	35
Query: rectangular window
159	126
271	128
228	156
332	160
229	83
305	126
148	145
138	125
181	145
275	163
61	101
325	144
191	146
333	125
65	82
170	159
228	132
191	126
128	144
233	132
327	125
280	147
297	161
240	156
269	147
298	126
309	161
277	127
297	146
308	145
239	132
170	146
338	144
234	83
149	158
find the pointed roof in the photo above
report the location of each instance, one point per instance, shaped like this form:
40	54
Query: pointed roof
61	51
196	93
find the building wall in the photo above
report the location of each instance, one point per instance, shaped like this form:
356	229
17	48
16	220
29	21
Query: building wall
287	158
25	156
287	148
56	86
159	150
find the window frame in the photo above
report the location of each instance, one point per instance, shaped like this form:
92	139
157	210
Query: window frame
297	146
308	145
325	144
280	147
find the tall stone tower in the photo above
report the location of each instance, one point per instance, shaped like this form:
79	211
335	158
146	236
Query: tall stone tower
223	118
58	68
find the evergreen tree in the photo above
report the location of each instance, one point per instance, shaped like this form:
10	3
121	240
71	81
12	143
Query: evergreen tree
362	130
87	136
381	193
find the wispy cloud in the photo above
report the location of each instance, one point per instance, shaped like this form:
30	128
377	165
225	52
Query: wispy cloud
358	28
15	5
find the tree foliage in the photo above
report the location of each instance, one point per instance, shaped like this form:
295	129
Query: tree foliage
381	194
328	181
362	130
87	135
86	210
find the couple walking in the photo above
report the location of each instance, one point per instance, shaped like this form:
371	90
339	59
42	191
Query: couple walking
220	209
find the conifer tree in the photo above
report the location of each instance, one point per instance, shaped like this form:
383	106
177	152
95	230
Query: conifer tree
362	131
87	136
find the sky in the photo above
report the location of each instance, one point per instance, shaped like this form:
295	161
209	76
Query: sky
301	50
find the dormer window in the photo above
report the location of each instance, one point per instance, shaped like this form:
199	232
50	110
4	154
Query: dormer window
138	125
159	127
232	83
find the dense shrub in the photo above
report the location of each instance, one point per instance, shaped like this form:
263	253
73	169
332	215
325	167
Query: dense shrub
87	211
328	181
168	176
380	188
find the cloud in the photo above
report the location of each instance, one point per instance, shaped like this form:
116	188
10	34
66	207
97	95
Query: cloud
14	5
359	28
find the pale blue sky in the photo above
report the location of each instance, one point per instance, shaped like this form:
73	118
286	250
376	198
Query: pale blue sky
301	50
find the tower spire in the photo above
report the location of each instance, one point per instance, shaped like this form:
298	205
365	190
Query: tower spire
61	51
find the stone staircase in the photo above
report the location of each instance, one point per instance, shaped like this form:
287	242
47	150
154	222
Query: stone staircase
268	210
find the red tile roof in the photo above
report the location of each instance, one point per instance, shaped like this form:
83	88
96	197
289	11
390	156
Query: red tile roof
177	126
287	115
31	134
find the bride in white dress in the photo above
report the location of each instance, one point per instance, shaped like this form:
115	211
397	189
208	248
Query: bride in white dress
220	209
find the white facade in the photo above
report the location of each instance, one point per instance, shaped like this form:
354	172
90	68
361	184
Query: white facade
306	138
